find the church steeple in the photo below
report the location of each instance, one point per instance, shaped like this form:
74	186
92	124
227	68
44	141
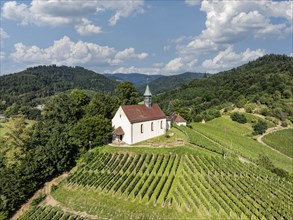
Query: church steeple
148	97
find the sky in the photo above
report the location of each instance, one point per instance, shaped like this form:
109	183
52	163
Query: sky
143	36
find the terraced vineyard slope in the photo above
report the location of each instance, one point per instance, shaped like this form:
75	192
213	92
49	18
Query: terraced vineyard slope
281	140
124	185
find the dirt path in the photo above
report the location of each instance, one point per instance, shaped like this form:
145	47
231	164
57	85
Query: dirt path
45	190
269	131
50	201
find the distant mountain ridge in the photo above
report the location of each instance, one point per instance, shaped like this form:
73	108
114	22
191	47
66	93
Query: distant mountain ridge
44	81
135	78
157	83
167	83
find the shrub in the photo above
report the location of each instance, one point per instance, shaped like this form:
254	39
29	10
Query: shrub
240	118
284	124
264	161
260	127
280	172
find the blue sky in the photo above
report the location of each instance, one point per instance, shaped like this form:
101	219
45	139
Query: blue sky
151	37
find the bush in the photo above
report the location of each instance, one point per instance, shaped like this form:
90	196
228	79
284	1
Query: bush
240	118
284	124
281	173
260	127
264	161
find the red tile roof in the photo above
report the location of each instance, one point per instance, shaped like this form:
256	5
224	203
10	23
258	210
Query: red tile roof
176	118
140	113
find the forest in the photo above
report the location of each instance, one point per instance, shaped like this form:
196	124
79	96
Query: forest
263	86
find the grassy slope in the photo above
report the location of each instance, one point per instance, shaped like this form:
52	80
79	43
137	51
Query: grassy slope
232	135
281	141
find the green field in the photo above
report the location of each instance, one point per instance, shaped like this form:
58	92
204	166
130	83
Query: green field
281	141
161	185
233	136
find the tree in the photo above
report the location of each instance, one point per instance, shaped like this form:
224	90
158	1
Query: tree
102	105
240	118
260	127
128	92
14	142
91	131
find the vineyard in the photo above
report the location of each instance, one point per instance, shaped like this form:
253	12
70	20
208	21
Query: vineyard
151	186
281	140
233	137
49	213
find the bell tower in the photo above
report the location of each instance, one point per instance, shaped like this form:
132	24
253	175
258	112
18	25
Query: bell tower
148	97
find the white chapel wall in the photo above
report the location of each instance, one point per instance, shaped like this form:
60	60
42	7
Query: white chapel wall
147	131
120	119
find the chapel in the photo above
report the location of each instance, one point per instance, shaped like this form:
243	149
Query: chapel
136	123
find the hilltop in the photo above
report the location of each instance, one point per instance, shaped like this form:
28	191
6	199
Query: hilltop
43	81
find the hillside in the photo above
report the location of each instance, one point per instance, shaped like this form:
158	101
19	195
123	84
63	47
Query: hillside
158	83
263	86
135	78
166	184
168	83
212	175
44	81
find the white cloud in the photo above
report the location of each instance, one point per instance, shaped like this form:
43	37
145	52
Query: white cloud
3	35
2	56
128	54
87	28
132	69
228	23
228	59
67	52
62	12
123	9
193	2
174	65
232	21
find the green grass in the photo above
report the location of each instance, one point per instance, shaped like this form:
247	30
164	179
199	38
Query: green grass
233	137
181	150
281	141
168	139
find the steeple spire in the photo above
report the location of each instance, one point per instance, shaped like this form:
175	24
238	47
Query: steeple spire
148	97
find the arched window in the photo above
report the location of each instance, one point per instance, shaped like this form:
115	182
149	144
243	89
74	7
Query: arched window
152	126
161	124
141	128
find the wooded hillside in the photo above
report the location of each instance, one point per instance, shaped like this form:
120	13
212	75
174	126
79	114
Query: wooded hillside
264	86
44	81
